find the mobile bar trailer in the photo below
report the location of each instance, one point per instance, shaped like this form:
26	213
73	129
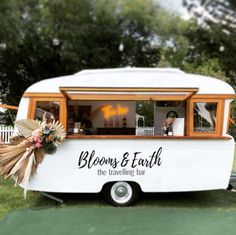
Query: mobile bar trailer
134	129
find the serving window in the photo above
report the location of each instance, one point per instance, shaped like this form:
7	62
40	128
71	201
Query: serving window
125	118
126	111
101	117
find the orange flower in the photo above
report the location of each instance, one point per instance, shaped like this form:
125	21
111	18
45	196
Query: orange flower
49	138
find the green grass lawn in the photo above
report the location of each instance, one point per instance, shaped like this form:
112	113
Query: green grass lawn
12	198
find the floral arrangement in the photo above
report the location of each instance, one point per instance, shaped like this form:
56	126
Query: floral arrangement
167	125
46	139
39	138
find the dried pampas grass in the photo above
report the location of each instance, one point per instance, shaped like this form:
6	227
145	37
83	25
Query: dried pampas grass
21	159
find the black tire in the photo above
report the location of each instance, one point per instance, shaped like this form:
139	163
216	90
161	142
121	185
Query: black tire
121	193
230	187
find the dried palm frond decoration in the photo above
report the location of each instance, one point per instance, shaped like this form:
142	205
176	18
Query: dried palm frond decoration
39	138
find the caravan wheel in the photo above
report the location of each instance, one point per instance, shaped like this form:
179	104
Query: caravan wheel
121	193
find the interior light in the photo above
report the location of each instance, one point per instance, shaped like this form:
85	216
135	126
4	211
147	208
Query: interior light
110	111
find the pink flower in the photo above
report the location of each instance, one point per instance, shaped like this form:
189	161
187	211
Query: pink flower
37	139
38	142
38	145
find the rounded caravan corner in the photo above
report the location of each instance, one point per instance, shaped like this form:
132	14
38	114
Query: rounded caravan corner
220	86
110	138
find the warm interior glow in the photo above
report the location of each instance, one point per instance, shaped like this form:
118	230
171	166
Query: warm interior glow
110	111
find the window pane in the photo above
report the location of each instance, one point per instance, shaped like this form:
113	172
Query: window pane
101	117
205	117
144	118
48	108
169	117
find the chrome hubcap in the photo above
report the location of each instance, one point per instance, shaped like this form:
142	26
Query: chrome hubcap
121	192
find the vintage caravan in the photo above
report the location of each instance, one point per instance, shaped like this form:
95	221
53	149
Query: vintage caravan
134	129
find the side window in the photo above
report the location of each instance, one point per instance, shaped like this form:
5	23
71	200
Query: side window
205	117
232	120
51	109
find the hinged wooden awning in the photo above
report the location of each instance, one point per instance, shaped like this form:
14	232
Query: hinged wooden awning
97	93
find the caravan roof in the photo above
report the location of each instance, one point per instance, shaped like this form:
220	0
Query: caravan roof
134	78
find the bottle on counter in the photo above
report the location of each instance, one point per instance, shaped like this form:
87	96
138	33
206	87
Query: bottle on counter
165	132
110	123
105	123
117	123
124	122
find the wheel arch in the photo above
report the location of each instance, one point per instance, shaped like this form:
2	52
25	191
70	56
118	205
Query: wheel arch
128	181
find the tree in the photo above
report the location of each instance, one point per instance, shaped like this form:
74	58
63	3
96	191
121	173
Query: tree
213	35
54	38
213	46
221	12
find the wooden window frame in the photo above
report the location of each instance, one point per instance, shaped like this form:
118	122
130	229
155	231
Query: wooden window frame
62	112
189	133
219	117
230	120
